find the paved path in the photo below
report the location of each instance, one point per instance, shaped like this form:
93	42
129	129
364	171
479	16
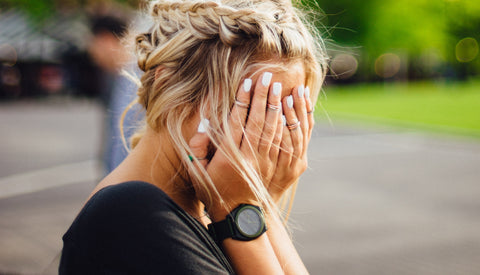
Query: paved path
382	202
375	201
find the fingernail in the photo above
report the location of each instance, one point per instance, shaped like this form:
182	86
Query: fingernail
290	101
307	92
247	85
277	88
267	77
301	91
202	127
284	120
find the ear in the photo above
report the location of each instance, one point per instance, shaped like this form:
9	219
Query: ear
159	70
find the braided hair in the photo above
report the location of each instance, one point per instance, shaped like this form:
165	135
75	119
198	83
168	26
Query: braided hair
205	49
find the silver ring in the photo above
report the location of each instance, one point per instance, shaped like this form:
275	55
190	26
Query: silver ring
275	108
242	105
293	126
191	158
311	112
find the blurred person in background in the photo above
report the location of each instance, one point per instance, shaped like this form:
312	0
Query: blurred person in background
117	91
198	193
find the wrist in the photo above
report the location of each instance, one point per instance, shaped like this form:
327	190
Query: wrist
219	211
244	223
276	197
277	190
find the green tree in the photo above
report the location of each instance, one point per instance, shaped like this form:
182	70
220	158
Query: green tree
412	27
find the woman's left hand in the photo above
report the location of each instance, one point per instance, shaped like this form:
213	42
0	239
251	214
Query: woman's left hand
292	159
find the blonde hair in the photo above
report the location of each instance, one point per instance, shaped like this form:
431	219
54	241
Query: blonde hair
205	49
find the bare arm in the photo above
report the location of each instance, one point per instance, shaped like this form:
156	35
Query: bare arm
271	253
285	251
290	165
251	257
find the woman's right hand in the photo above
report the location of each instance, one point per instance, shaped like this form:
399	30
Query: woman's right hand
256	126
257	132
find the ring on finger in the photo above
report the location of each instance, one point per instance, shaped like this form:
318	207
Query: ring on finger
311	112
191	158
241	104
293	126
273	107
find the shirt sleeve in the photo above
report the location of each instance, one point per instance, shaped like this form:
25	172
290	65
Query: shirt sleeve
135	229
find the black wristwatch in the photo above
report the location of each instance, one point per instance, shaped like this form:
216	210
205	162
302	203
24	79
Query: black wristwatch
244	223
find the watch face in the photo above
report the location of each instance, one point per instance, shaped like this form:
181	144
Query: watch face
249	222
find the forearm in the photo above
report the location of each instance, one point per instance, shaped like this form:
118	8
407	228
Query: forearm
256	256
252	257
285	251
271	253
282	244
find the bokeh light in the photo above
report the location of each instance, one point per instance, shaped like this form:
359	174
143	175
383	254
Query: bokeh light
466	49
344	66
387	65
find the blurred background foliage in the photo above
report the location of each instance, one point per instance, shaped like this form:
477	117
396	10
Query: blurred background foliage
427	38
422	38
369	42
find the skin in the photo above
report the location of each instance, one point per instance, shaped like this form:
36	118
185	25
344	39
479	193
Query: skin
264	130
107	51
264	133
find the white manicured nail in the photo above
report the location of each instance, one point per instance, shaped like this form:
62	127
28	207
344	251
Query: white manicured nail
267	77
307	92
301	91
277	88
202	127
284	120
290	101
247	85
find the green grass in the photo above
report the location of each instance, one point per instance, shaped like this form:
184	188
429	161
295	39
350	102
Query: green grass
446	107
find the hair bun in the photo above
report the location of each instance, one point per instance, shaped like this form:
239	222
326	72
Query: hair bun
143	48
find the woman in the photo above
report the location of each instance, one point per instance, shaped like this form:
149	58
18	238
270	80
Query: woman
198	192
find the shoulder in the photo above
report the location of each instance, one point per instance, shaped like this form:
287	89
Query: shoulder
128	191
124	206
135	224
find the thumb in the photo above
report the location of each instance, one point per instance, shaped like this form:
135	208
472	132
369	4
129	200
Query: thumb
199	143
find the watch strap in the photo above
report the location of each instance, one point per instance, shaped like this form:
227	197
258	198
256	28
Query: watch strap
227	228
221	230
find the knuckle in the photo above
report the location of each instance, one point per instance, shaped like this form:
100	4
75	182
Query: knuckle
261	92
273	155
198	148
269	129
300	167
277	139
200	152
255	122
237	118
263	143
303	168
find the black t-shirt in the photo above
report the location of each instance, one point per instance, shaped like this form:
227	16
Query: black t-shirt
135	228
